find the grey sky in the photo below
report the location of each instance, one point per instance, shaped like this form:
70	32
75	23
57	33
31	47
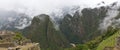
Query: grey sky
46	6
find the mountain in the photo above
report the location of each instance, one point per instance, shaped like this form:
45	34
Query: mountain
87	27
89	23
75	29
81	28
42	30
108	20
19	23
11	20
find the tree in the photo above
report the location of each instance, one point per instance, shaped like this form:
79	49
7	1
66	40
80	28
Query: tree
18	38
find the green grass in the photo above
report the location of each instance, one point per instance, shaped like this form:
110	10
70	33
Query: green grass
109	42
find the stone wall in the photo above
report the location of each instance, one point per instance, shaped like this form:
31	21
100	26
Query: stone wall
7	42
6	45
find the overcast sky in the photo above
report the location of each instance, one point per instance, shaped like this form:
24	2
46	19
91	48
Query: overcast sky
46	6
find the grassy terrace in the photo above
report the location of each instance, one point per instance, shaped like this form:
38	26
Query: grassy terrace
109	42
24	47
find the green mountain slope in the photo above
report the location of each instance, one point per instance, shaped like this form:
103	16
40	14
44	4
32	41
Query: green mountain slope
109	42
107	39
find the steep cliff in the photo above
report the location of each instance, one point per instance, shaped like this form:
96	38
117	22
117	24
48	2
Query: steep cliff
42	30
81	28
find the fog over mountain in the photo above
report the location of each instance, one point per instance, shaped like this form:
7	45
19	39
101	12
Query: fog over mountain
63	24
56	9
13	19
35	7
112	13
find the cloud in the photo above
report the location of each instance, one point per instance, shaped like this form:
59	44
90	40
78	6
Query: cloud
35	7
54	8
110	20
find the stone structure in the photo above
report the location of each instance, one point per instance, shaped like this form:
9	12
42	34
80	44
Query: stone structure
6	39
7	42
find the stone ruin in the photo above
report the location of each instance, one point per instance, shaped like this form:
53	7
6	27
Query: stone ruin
6	41
6	35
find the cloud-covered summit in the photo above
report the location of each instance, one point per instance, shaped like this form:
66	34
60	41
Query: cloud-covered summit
35	7
55	8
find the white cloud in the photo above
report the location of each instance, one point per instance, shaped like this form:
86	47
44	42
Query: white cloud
34	7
